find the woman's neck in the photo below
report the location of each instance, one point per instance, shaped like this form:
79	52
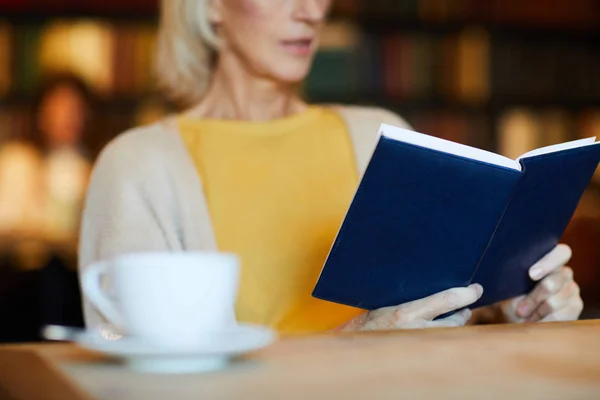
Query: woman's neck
236	93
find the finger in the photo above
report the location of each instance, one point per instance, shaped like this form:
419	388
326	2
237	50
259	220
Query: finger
455	320
509	308
569	313
551	285
460	317
563	299
555	259
444	302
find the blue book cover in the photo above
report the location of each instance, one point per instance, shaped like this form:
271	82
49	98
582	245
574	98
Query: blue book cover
430	214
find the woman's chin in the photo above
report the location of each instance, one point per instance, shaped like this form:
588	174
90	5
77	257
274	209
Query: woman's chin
291	77
289	71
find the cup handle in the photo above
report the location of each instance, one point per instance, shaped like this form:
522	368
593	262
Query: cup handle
95	294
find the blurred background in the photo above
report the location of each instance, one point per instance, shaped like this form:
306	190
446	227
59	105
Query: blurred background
503	75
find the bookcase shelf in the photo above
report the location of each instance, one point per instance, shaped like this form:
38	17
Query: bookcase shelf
457	105
74	7
372	24
428	60
20	18
386	25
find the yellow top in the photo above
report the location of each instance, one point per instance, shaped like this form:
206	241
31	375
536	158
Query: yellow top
277	193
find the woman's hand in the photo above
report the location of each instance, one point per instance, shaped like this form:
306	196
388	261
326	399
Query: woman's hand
420	313
556	296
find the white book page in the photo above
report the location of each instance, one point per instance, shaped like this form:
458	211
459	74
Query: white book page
559	147
446	146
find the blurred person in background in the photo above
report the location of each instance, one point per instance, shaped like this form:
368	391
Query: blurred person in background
249	167
63	119
42	187
43	181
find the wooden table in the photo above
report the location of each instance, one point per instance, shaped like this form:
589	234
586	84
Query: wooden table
539	361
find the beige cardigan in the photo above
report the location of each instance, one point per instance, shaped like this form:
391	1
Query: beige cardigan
145	193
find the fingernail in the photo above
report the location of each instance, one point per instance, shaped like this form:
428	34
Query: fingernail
523	309
478	289
467	313
536	272
550	285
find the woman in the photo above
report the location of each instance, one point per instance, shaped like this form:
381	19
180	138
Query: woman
250	168
43	181
64	113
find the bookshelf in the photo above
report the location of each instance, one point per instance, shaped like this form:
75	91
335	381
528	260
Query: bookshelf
453	68
477	61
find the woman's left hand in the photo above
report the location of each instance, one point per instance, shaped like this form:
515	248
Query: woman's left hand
555	297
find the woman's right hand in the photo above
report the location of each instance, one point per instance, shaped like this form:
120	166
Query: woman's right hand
420	313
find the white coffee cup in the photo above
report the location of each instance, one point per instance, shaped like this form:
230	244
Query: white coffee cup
170	299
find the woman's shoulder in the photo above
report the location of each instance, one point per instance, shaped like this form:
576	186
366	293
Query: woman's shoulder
139	144
139	155
363	126
369	118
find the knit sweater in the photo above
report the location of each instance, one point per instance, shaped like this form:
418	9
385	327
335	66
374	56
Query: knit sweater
145	194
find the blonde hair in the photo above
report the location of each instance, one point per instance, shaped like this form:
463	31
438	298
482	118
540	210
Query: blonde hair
186	49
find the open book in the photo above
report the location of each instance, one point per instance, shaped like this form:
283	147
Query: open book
442	145
430	214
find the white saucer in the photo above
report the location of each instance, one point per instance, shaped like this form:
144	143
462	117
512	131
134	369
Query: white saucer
214	353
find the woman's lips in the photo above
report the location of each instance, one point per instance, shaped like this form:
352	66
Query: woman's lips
298	47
